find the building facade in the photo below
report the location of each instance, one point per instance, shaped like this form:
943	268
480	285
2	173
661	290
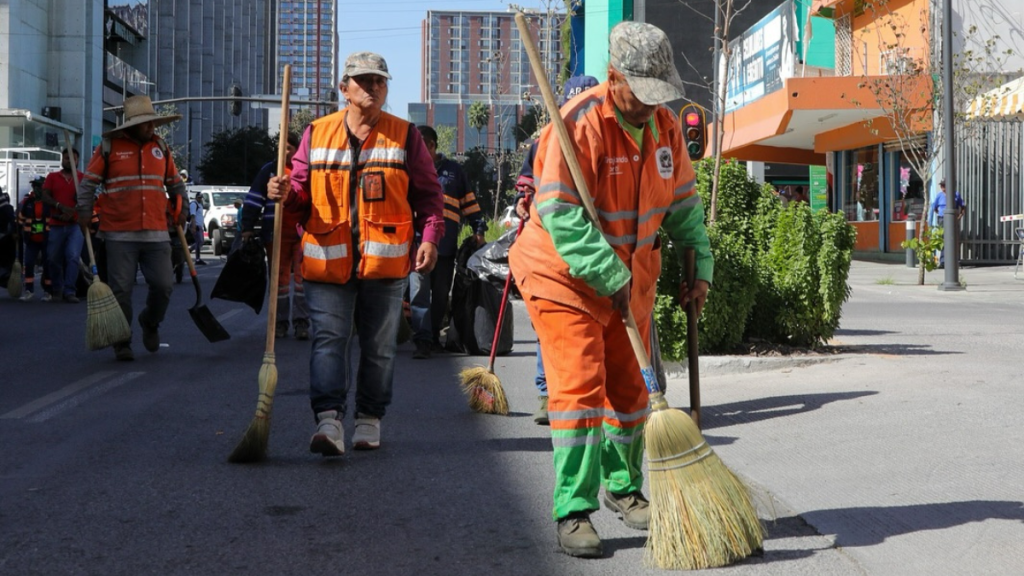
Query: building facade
476	56
307	39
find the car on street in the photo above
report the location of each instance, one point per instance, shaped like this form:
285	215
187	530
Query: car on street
219	206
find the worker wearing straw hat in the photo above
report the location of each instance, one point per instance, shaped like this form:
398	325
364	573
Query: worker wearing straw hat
579	284
135	168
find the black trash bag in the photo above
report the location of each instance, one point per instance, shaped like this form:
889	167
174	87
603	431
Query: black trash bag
244	276
490	262
475	305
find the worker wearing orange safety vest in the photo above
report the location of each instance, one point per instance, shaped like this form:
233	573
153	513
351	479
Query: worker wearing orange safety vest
140	194
579	283
368	185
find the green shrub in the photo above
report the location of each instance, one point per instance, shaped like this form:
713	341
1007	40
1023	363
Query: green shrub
925	246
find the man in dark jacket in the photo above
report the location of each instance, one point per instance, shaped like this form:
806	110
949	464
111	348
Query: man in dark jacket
428	293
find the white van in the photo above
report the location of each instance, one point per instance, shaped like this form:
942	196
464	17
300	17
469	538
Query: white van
220	213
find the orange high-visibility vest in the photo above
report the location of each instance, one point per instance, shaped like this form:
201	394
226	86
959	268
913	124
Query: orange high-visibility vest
134	196
378	181
632	191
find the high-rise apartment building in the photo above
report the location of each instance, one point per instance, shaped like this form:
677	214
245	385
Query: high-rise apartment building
476	56
307	33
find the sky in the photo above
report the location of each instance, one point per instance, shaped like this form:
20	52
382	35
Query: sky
392	28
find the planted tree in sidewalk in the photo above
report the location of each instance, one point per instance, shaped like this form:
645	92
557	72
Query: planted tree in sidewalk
780	273
909	82
446	138
300	120
235	156
164	132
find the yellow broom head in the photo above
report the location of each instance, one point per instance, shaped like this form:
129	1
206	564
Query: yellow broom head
483	391
701	513
253	446
105	324
14	284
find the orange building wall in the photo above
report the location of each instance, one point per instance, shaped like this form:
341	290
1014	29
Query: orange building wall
867	236
874	29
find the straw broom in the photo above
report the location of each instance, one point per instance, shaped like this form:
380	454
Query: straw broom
14	283
482	386
253	446
701	514
105	324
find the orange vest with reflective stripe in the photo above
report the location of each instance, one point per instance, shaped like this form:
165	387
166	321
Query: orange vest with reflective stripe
632	191
133	197
378	182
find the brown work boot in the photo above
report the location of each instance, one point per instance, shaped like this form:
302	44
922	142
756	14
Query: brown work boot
123	351
577	537
633	508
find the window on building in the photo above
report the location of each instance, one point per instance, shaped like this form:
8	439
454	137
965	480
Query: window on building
908	200
861	202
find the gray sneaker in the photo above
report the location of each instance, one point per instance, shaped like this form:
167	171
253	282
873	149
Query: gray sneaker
634	509
329	439
367	433
577	537
541	415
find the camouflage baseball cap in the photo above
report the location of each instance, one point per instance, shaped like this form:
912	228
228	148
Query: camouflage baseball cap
643	54
359	63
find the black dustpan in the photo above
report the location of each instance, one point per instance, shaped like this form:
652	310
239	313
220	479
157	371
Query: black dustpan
200	314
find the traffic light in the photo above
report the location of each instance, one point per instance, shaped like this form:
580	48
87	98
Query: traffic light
694	130
235	106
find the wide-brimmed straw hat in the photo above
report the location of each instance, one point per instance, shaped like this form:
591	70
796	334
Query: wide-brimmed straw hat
139	110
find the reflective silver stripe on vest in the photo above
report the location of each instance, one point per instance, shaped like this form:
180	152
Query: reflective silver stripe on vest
383	250
330	155
317	252
382	155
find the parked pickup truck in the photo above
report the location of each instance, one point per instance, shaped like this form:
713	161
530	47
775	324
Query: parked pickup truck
219	205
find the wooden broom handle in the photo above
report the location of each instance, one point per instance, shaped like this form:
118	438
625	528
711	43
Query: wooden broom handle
282	164
68	143
569	153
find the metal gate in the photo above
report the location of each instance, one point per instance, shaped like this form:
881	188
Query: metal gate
991	181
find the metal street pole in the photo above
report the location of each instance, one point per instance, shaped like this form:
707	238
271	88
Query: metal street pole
951	227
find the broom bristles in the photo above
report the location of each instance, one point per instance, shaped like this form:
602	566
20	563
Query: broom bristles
701	513
105	324
483	391
253	446
14	285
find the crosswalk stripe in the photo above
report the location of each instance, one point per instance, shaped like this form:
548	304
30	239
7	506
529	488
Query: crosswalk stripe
56	396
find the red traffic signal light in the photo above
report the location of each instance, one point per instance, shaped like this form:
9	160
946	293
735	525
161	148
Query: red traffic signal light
695	134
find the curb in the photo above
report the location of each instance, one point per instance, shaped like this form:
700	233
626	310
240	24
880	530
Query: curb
724	365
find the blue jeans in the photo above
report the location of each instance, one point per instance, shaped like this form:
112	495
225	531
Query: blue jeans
373	308
428	299
63	249
541	380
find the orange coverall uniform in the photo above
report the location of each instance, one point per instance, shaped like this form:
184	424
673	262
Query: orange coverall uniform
567	270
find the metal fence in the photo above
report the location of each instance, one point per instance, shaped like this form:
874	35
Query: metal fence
991	180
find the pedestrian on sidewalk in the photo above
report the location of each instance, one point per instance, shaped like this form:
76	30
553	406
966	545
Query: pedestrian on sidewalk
197	226
65	241
429	292
33	216
291	304
137	174
368	185
938	214
579	282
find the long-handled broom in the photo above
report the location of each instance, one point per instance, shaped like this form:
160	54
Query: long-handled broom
14	283
701	514
105	324
482	386
253	446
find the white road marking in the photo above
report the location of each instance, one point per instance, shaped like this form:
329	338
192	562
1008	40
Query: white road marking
228	314
83	397
56	396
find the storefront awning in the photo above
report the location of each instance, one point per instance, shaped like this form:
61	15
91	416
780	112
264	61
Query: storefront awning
1004	102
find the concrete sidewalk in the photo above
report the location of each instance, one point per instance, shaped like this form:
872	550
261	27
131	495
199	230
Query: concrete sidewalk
902	457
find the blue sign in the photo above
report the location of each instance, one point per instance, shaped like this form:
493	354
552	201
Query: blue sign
762	58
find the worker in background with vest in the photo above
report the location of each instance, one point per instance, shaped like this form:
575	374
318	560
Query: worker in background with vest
579	282
256	208
35	231
141	194
428	293
369	185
